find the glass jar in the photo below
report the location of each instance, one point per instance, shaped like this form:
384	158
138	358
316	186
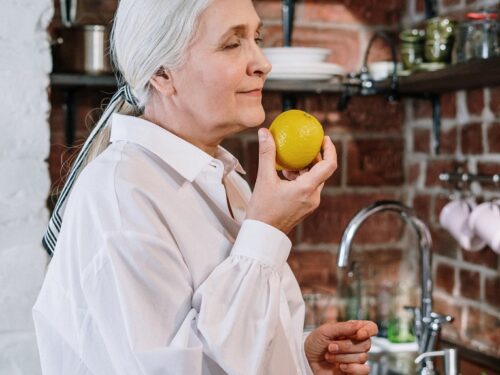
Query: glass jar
438	50
439	28
412	48
477	38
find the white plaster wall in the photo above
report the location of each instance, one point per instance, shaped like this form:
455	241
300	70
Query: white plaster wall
25	63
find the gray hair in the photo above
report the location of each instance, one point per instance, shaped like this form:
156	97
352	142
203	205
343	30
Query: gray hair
147	36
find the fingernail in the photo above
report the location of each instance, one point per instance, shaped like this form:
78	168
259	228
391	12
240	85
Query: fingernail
343	367
262	135
333	348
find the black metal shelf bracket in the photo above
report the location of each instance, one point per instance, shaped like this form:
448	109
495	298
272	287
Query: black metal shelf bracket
289	100
436	123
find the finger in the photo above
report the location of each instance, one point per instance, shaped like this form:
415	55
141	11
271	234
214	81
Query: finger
267	155
367	330
355	368
337	330
347	358
349	346
323	169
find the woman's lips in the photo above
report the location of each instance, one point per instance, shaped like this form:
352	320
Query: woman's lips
256	92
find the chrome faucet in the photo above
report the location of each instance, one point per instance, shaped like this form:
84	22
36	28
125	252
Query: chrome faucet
426	323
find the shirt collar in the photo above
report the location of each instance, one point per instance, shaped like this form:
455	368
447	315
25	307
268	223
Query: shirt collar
181	155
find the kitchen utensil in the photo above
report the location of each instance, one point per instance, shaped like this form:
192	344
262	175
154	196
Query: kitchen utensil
82	49
294	55
68	12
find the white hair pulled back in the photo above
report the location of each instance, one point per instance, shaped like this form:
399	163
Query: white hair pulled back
151	34
147	35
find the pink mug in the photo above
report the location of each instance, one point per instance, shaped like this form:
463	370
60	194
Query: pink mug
454	217
485	221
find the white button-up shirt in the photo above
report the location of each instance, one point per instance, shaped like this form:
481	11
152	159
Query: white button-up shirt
153	275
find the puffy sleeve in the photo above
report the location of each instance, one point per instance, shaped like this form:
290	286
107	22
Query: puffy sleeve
151	321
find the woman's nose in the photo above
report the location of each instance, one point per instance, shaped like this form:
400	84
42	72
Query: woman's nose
259	64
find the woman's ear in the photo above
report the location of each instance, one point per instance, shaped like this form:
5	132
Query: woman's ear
162	82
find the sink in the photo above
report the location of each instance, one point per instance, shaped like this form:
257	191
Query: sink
387	358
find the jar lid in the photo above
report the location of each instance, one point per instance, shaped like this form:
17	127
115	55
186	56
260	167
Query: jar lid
482	16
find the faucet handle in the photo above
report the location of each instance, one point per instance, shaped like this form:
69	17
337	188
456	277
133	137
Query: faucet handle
440	319
450	360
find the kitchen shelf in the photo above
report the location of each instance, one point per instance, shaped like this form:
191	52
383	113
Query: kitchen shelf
69	80
465	76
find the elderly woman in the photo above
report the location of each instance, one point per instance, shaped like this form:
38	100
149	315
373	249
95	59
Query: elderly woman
166	262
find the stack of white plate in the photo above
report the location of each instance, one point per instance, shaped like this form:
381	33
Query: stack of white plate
301	63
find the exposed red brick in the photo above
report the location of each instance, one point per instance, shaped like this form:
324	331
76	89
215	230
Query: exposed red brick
469	284
369	12
379	266
235	147
422	207
492	291
375	162
443	243
423	108
485	328
472	139
445	277
420	6
421	140
448	141
495	100
328	222
494	137
486	257
334	13
488	168
436	167
372	114
380	50
442	306
414	173
475	101
272	102
336	179
313	267
449	105
251	164
440	202
268	10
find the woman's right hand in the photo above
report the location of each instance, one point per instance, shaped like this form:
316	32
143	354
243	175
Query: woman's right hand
282	203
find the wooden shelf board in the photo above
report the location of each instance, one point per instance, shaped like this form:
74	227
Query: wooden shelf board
466	76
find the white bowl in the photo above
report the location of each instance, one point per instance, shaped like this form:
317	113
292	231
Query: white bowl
381	70
284	55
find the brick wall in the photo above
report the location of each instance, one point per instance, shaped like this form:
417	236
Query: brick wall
384	153
467	284
25	64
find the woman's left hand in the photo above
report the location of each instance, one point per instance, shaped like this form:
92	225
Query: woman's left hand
340	347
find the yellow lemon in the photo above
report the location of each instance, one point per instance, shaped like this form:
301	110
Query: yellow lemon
298	137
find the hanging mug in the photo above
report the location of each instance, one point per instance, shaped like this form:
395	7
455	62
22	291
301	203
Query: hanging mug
485	221
454	217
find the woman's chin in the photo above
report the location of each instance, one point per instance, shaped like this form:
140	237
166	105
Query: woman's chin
254	119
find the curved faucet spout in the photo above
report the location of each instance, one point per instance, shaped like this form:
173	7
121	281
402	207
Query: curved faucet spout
424	241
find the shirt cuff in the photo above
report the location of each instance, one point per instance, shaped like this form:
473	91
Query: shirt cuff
262	242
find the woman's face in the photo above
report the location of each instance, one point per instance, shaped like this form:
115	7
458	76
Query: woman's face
220	86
